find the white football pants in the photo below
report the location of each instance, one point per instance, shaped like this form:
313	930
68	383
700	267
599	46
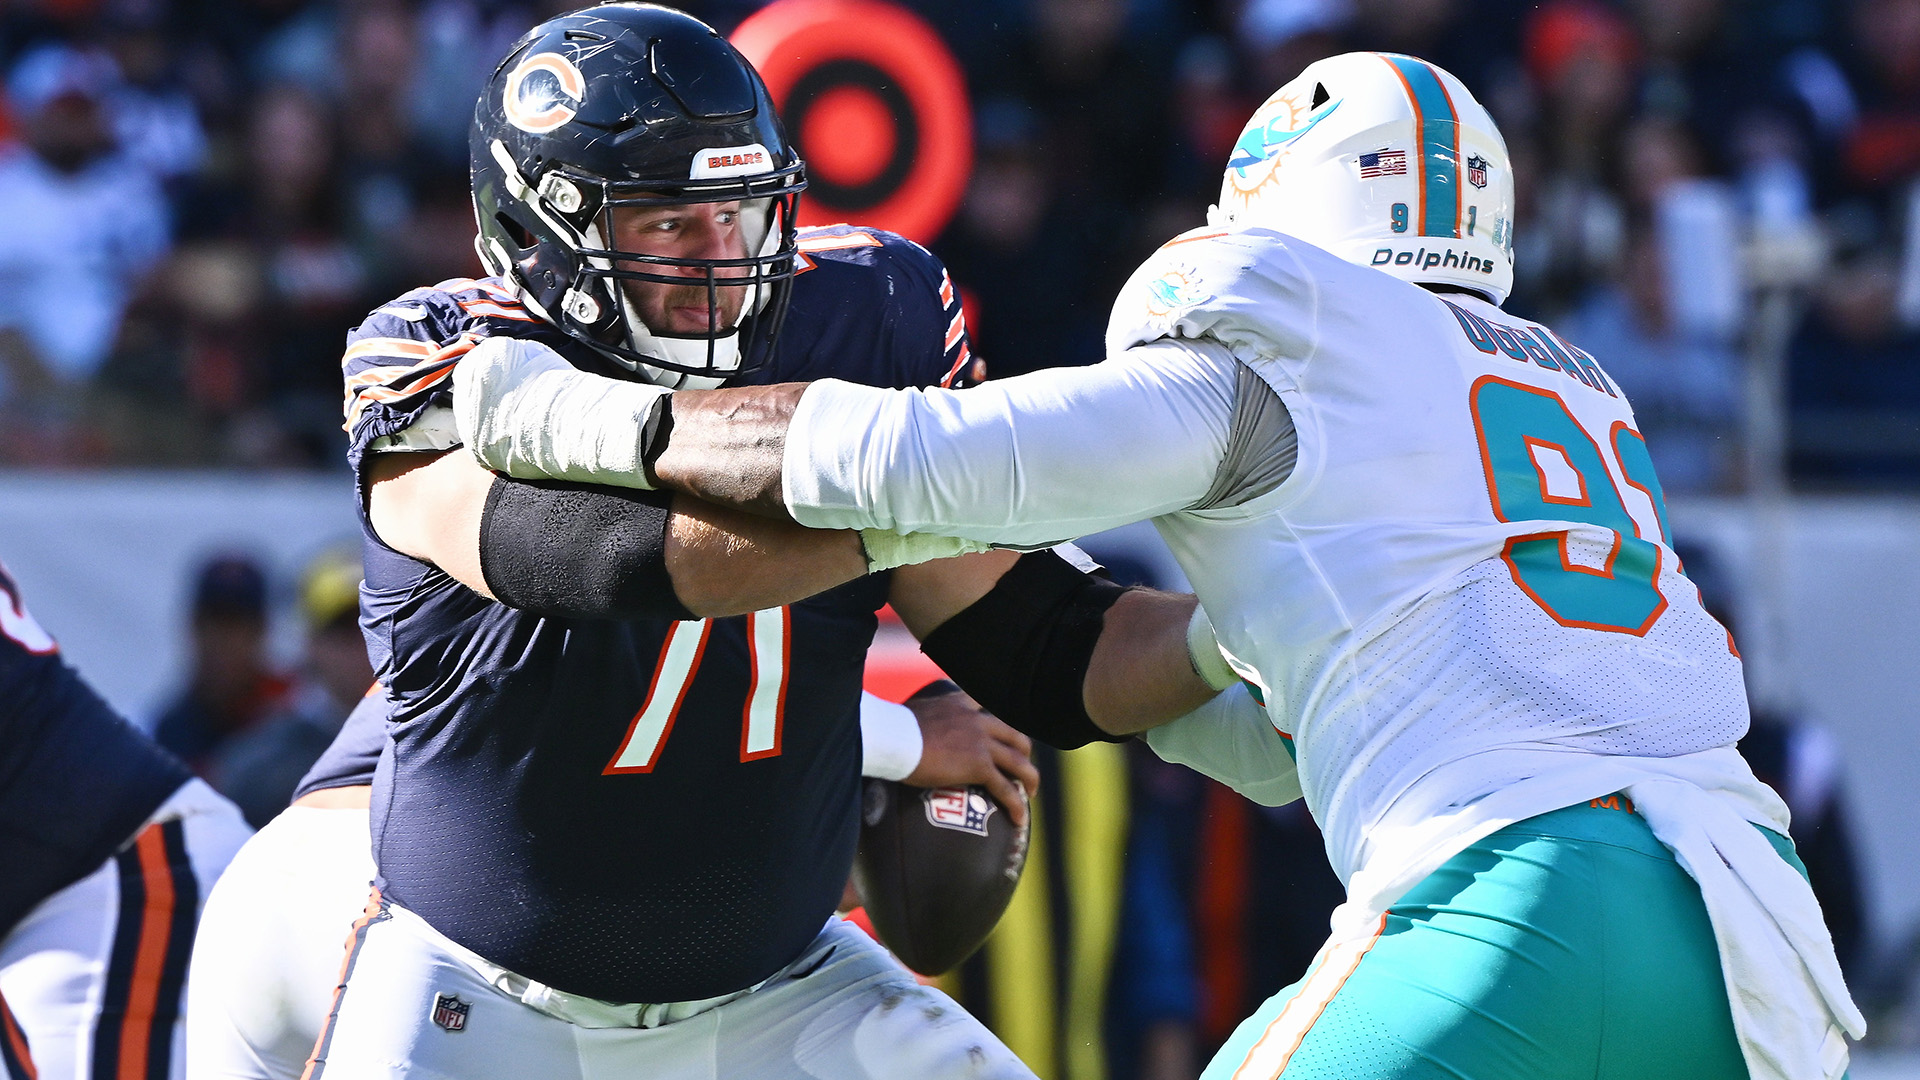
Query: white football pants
268	954
95	973
844	1010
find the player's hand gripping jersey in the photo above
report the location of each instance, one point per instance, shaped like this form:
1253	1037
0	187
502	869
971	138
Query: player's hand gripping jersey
1444	563
643	810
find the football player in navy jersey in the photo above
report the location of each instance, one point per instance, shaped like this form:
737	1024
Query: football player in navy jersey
620	796
108	846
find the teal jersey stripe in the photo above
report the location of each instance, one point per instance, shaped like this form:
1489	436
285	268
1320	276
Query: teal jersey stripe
1439	147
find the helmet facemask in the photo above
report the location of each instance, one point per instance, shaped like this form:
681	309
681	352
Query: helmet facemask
590	280
755	284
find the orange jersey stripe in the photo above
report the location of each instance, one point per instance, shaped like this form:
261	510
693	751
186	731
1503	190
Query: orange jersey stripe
156	927
389	393
497	310
374	384
387	346
836	243
17	1044
1190	238
959	365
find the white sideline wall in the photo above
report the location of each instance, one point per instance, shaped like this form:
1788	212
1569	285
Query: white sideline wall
106	561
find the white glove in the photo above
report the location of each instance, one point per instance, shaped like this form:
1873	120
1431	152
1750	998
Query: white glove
524	411
887	549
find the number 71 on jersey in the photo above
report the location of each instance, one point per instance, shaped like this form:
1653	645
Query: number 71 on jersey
769	652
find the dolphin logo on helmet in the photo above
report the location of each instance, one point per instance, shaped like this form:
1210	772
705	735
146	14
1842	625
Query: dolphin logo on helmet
1261	142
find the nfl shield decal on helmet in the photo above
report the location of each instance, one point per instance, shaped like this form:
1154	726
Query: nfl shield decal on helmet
1477	171
450	1012
959	809
543	92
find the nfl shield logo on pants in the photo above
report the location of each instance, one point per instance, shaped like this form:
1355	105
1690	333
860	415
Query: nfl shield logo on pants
450	1012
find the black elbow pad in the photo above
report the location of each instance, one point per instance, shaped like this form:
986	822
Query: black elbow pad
1022	650
578	551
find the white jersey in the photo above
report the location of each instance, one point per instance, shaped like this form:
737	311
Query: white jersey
1468	556
1460	602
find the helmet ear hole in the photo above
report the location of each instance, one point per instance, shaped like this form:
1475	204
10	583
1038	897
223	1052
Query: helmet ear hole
519	235
1320	95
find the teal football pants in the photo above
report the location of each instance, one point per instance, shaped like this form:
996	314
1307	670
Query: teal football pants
1570	946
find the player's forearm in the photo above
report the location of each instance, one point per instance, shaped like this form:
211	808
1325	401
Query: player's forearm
726	562
726	446
1140	674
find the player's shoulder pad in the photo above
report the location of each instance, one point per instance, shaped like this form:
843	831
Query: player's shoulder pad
885	267
440	313
1248	288
864	249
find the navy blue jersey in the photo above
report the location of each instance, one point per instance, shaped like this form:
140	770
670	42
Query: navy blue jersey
636	810
76	780
350	759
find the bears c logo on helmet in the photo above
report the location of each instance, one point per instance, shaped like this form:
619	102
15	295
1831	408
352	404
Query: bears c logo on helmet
543	92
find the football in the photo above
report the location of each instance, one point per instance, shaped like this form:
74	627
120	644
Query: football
936	869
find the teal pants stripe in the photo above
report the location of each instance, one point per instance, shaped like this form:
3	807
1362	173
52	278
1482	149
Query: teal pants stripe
1570	946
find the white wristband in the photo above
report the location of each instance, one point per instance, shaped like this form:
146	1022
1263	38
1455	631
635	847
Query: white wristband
890	742
524	411
887	549
1203	650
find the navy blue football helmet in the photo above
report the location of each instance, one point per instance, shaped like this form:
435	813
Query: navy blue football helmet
634	105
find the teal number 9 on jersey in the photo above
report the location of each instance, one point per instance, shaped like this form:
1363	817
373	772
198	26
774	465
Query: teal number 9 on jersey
1541	464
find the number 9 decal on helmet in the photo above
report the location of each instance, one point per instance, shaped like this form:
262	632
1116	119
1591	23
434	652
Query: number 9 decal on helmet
632	182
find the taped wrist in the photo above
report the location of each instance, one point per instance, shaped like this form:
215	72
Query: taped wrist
579	552
1022	650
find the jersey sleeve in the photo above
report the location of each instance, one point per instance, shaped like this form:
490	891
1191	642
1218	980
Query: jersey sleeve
1027	461
355	751
398	364
1231	740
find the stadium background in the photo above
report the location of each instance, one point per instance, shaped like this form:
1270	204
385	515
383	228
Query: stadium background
1717	198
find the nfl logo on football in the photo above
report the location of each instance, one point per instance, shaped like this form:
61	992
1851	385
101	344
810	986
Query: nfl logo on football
1477	171
959	809
450	1012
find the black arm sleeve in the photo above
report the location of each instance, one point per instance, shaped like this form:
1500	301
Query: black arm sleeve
1022	650
578	551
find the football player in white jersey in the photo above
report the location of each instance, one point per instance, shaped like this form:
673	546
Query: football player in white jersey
1429	536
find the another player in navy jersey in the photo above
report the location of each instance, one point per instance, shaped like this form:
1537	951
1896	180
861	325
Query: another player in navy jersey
108	846
620	797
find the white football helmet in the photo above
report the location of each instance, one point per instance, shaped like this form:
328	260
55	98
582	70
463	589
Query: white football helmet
1386	161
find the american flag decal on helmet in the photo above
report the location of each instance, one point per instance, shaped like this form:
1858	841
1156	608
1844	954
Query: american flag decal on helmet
1383	163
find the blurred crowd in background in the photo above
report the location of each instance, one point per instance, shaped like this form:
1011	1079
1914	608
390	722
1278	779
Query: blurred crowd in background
202	197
